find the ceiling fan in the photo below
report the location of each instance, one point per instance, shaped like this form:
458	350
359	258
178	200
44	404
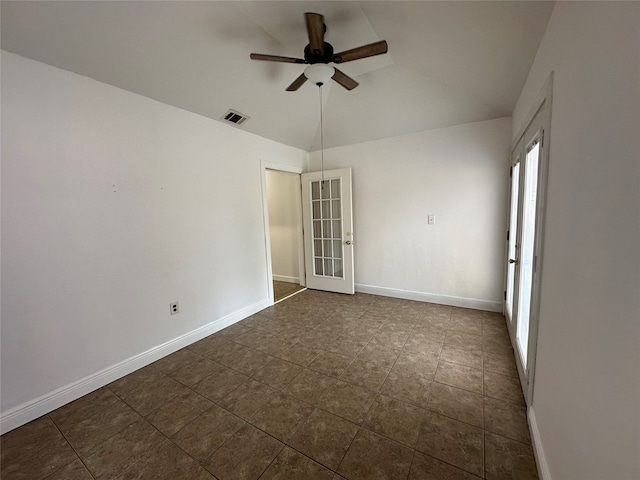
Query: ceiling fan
318	54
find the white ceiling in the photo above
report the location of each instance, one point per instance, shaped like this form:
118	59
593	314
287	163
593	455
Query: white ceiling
449	62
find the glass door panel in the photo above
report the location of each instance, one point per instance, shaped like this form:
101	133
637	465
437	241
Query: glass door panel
527	250
512	247
326	209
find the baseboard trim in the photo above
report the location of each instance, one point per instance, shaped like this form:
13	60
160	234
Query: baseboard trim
44	404
284	278
431	298
538	451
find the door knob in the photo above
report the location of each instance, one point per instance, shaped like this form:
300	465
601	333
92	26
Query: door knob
511	260
349	242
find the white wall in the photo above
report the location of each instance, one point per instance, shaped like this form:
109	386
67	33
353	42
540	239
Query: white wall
113	206
586	401
283	199
459	174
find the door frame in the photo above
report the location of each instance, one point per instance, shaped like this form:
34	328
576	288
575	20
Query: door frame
280	167
544	98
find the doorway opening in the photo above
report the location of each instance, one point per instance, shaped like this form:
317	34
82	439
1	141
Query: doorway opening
283	225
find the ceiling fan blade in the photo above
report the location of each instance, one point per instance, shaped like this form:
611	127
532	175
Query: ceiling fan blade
376	48
275	58
315	28
297	83
345	80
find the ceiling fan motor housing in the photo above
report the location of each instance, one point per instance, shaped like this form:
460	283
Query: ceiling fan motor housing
312	57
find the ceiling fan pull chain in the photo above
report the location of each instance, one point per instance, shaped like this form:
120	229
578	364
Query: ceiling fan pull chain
321	136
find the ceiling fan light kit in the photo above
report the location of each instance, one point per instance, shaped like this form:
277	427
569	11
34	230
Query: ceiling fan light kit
320	73
318	54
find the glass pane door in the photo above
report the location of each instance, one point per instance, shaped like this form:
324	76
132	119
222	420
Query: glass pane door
512	242
326	211
328	230
527	243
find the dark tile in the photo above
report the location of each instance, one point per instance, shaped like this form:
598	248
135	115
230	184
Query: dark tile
291	465
456	403
48	453
254	321
503	387
33	436
507	419
325	438
391	336
87	434
207	432
368	375
281	415
208	345
300	354
348	344
250	361
124	449
226	353
395	419
167	463
125	386
233	331
154	395
347	401
462	356
276	345
497	327
220	383
428	334
196	371
172	363
496	343
462	339
78	410
502	363
464	322
277	373
417	364
425	467
507	459
372	456
177	412
310	386
331	364
453	442
244	456
460	376
382	356
407	388
72	471
425	346
246	400
434	321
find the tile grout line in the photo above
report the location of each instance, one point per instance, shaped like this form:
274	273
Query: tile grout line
72	447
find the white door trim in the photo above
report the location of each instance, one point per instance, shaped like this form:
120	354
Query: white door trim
280	167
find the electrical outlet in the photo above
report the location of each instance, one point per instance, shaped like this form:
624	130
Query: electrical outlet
431	220
174	308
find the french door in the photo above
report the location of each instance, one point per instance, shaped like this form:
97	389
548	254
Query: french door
524	242
328	230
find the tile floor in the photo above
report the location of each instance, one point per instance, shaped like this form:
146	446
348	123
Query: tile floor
284	289
320	386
